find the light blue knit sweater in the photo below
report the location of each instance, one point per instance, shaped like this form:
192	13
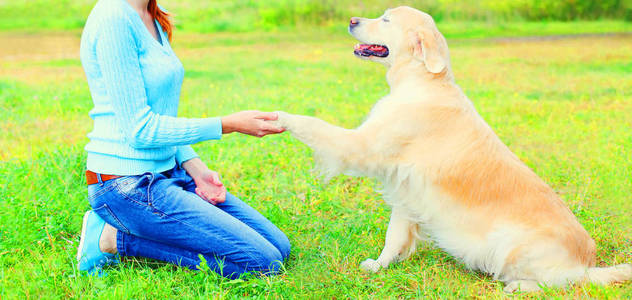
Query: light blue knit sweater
135	83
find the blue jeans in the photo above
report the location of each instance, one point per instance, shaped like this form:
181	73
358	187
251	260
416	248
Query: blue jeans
159	216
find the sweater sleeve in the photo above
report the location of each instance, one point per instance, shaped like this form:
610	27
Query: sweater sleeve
184	153
118	58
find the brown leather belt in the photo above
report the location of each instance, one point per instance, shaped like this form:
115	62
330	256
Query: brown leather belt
92	178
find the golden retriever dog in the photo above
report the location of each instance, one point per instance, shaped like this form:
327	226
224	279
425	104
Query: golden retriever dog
446	174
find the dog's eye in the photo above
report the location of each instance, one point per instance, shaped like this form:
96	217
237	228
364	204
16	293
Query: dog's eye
385	20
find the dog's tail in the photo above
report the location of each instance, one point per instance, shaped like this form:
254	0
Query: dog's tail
607	275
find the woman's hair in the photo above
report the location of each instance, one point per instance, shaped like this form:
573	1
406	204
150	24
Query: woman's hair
161	16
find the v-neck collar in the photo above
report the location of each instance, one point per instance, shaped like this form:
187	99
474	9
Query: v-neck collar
158	28
162	43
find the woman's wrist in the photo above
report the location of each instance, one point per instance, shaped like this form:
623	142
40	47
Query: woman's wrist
195	167
227	125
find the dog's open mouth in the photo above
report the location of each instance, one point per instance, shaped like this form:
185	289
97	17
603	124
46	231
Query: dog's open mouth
367	50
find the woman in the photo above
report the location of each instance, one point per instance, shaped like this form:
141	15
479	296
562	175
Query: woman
151	195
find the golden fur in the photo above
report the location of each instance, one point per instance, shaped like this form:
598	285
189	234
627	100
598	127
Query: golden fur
445	172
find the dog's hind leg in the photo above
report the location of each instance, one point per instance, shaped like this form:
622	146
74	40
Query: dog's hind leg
400	242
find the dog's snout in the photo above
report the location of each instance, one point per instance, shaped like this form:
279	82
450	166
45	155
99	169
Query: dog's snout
354	22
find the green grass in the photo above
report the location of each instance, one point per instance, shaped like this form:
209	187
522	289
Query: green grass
563	106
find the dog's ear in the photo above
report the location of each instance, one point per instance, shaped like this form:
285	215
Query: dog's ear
427	47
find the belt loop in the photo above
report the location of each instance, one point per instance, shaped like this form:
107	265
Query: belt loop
99	179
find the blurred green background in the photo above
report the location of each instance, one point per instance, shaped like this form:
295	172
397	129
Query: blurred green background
249	15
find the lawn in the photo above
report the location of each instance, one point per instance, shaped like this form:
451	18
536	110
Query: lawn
562	105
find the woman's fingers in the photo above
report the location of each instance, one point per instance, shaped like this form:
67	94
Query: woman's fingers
212	200
215	179
222	196
265	126
268	116
200	193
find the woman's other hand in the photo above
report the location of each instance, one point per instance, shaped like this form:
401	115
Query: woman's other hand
251	122
208	184
210	188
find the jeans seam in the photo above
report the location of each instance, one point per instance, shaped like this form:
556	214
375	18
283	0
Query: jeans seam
102	191
132	199
120	242
114	217
149	197
126	196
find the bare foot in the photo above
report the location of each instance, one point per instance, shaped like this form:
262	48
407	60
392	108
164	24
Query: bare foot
107	243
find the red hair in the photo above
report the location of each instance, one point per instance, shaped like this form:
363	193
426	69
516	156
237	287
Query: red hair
160	16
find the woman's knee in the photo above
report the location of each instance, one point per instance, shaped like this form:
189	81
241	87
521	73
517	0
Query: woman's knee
267	261
283	245
262	259
262	225
277	238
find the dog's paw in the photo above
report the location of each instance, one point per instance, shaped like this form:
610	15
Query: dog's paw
627	270
370	265
522	286
283	120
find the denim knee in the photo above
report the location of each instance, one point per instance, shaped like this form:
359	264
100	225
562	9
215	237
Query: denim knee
283	245
267	261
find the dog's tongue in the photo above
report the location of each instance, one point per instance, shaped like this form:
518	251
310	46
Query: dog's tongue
370	50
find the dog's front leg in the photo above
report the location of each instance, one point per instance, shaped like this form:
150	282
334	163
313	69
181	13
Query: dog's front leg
400	242
336	149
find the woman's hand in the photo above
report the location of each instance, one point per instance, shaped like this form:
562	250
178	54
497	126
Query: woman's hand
251	122
210	188
208	184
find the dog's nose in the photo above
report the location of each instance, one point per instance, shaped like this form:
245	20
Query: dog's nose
354	22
